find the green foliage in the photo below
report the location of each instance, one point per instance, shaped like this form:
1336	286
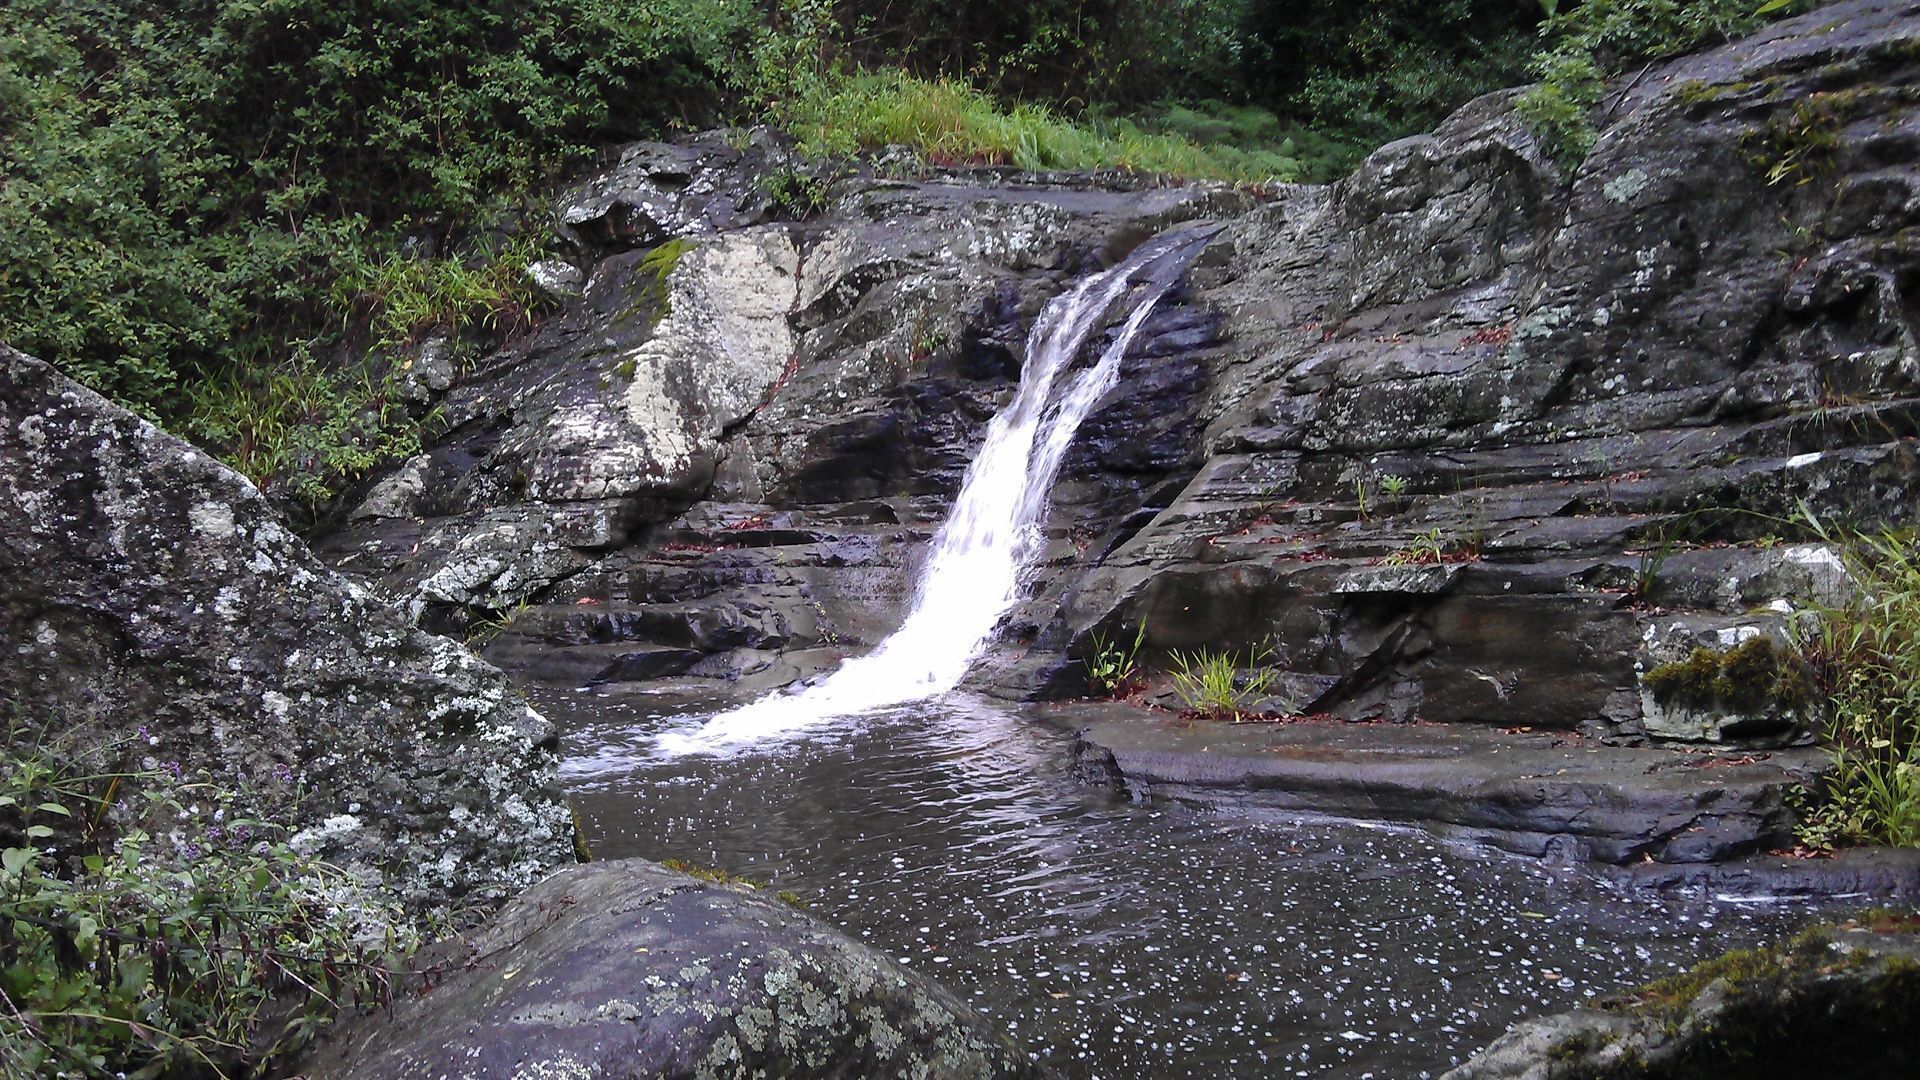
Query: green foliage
213	952
1114	668
1112	51
1868	653
796	194
1360	75
400	299
1594	40
1212	684
297	428
193	188
950	122
1798	144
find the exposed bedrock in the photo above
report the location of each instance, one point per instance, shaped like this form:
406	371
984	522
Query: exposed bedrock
1459	439
154	606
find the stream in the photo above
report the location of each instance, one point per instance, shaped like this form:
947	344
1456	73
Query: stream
1118	939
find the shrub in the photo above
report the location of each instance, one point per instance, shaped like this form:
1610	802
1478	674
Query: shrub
1868	660
208	952
1596	39
193	189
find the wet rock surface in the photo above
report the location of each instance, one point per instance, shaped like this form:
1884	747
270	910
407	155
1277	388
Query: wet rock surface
1461	440
1836	1002
1536	793
154	603
628	969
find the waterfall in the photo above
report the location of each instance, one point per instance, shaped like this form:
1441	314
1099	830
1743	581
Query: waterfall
979	554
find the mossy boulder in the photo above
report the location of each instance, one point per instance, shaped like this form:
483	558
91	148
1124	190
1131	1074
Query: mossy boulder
627	968
1836	1002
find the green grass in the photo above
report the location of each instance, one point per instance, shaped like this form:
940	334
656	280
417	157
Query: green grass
950	122
1868	655
1212	684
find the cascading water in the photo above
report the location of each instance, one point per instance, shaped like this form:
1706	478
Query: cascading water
981	551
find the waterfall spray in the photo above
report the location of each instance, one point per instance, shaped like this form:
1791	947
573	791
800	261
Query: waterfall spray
981	551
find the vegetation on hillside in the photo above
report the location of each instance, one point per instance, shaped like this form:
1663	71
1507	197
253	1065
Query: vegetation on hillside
236	215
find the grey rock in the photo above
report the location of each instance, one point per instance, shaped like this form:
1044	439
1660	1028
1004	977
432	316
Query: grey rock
155	603
629	969
557	278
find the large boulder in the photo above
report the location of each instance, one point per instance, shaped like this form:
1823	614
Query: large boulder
628	969
154	603
1835	1002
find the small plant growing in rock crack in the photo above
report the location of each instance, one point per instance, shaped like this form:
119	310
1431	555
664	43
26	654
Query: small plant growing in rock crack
1393	486
496	622
799	195
1430	549
1114	669
1212	684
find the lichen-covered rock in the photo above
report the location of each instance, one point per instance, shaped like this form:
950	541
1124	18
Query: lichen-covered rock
1834	1002
153	600
628	969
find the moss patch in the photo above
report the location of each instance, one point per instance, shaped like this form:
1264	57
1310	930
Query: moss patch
1755	676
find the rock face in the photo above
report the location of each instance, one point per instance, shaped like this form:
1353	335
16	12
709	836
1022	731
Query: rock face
153	601
1832	1003
1494	444
1459	439
626	969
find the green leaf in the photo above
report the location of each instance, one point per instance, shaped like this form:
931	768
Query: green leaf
14	858
54	808
1771	6
39	832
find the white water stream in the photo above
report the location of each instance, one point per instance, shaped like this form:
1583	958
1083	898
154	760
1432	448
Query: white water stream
984	547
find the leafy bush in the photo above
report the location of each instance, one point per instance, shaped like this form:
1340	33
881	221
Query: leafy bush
1087	51
1596	39
1868	658
1359	75
192	189
207	953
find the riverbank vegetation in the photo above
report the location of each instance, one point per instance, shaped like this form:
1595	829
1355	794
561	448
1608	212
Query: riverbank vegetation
1868	654
216	950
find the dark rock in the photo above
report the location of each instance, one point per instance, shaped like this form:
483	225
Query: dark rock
629	969
1834	1002
1536	793
153	601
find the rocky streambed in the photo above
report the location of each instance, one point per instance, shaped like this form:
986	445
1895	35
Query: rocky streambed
1111	937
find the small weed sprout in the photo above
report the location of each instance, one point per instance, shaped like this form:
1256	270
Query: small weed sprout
1114	669
1393	486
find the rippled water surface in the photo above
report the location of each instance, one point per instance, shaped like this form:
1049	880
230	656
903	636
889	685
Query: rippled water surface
1120	940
